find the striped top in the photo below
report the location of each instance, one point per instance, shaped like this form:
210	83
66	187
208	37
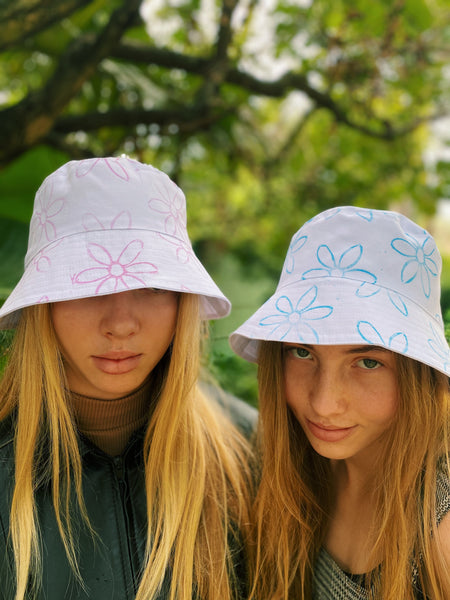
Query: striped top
332	583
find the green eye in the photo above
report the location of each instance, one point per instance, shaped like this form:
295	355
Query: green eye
369	363
300	352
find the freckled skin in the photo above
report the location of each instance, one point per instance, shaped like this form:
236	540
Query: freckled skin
344	397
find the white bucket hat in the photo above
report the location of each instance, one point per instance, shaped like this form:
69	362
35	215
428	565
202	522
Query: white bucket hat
107	225
356	276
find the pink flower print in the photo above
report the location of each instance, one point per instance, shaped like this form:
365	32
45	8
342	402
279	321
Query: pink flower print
114	165
171	203
113	275
46	209
183	251
121	221
42	261
136	166
43	300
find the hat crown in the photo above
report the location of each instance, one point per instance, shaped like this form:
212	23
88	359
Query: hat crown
105	194
378	249
107	225
356	276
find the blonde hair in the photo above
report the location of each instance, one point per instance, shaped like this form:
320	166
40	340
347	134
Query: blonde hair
190	520
295	494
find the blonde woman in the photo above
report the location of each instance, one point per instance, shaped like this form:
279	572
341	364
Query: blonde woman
119	477
354	497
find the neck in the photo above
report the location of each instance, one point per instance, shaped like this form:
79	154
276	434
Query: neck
109	424
350	535
358	471
349	481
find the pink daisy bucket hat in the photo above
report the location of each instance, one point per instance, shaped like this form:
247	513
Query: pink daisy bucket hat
107	225
356	276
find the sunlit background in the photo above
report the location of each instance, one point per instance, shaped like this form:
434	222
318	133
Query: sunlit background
264	112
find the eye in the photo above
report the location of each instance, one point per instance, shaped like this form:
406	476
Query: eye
299	352
369	363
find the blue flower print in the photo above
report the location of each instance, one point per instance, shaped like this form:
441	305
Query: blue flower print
440	349
296	319
343	267
367	290
365	214
296	245
398	302
421	262
398	342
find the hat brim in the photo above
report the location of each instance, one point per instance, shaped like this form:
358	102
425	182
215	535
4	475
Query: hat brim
95	263
341	311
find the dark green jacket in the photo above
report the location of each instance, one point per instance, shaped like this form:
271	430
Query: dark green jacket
114	493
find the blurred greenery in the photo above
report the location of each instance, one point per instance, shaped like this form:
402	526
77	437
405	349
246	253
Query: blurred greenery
263	112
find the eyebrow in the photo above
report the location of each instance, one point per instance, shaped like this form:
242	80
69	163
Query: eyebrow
368	348
354	350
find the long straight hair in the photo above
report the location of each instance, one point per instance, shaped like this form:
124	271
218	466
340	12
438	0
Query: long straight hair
295	496
190	520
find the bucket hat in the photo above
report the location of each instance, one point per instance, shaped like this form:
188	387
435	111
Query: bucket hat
356	276
106	225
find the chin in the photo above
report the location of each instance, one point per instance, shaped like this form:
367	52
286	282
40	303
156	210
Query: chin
331	450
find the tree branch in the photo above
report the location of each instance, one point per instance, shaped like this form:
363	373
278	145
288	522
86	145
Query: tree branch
217	66
21	18
29	121
290	81
188	119
224	34
60	143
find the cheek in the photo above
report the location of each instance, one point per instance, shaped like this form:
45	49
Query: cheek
382	409
295	391
68	328
169	317
162	323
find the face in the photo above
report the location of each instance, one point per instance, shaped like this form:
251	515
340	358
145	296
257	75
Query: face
110	344
344	397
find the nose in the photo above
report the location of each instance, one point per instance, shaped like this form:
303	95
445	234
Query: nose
119	319
327	394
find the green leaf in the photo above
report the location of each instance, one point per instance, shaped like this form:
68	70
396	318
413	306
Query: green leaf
418	14
13	246
20	180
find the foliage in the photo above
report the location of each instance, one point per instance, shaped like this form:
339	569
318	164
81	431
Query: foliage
265	112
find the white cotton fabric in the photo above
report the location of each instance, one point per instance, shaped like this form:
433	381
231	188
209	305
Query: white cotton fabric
356	276
106	225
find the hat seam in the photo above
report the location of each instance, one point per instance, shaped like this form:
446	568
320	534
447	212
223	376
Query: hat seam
331	278
128	229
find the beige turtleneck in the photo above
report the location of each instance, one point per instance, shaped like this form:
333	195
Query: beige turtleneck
109	424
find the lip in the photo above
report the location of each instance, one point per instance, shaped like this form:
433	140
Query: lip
327	433
116	362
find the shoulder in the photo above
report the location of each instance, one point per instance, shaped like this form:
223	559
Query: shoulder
442	490
240	413
444	536
443	549
443	511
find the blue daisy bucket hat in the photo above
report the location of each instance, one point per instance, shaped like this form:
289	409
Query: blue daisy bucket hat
356	276
106	225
